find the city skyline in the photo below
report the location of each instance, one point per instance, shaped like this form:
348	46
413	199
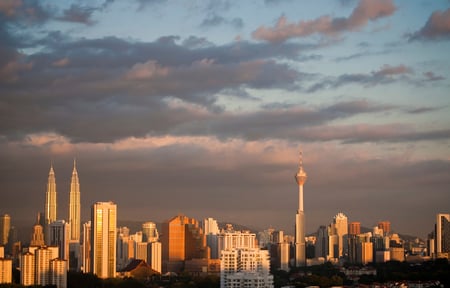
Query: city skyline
200	108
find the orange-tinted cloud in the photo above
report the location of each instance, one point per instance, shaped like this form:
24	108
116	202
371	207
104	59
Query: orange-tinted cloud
437	27
367	10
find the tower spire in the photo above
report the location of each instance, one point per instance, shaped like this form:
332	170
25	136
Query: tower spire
74	204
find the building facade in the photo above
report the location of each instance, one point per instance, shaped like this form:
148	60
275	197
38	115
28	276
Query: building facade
50	202
103	239
245	268
74	205
5	226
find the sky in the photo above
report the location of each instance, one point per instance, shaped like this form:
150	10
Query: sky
201	108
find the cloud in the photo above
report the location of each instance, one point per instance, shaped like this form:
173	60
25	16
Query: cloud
421	110
437	27
430	76
9	7
386	74
388	70
367	10
213	20
78	14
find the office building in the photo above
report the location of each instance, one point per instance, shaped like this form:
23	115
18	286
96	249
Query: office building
442	233
58	272
37	236
74	205
5	271
155	256
321	247
86	248
141	251
5	226
149	232
59	237
339	227
182	239
43	256
300	247
27	269
385	226
211	229
245	268
50	201
103	239
354	228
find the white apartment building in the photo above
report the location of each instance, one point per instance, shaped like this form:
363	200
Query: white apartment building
245	267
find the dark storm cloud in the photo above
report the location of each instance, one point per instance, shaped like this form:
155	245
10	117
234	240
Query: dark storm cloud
436	28
365	11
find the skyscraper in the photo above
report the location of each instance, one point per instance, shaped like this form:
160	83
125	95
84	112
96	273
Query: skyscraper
182	239
340	228
354	228
386	226
5	226
300	249
103	239
86	248
59	237
442	234
149	232
27	269
74	205
50	200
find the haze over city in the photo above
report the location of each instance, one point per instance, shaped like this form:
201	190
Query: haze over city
201	108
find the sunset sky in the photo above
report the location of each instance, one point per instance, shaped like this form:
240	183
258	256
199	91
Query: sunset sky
201	108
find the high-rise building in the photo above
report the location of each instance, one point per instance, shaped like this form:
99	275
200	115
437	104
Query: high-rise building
386	226
321	247
339	227
103	239
59	237
155	256
50	201
5	271
74	205
27	269
245	268
182	239
37	236
211	229
43	256
5	226
354	228
58	272
229	239
86	248
149	232
300	248
442	233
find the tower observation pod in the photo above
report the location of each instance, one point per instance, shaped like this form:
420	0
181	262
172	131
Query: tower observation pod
300	249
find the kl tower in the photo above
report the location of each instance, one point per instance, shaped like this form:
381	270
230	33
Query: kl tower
300	250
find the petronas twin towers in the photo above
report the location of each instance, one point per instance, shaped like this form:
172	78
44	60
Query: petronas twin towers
74	203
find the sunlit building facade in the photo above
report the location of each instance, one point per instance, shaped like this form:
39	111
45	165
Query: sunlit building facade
86	248
27	269
5	271
442	233
245	268
74	205
103	239
50	202
58	272
182	239
5	226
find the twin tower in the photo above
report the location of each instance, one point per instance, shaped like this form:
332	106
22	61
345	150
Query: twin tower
74	203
